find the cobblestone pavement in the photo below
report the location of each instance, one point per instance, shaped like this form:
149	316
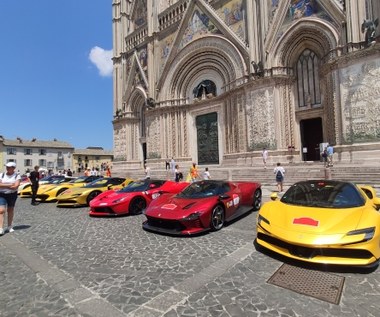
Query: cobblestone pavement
61	262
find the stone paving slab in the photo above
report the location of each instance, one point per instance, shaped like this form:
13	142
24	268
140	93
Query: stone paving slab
61	262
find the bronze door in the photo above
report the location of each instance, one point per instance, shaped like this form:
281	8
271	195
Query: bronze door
207	138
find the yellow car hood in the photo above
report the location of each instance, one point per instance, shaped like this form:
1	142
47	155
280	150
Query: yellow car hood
77	191
315	226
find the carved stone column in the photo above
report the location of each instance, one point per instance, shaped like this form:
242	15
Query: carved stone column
356	13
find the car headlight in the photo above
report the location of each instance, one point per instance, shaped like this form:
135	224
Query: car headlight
192	217
260	219
118	200
368	233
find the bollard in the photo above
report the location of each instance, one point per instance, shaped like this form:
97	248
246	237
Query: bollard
327	173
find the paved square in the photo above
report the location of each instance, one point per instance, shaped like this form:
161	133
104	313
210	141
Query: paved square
61	262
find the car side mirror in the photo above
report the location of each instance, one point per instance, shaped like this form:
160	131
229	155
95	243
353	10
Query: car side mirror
376	202
223	197
273	196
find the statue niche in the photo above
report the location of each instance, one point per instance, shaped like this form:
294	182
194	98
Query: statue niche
206	89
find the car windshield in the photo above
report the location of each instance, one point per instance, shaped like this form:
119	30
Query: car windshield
51	178
80	179
323	194
138	186
104	182
98	183
204	189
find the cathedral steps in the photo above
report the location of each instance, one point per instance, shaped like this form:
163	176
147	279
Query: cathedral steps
363	174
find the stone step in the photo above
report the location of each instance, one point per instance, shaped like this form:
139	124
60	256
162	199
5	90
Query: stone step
354	173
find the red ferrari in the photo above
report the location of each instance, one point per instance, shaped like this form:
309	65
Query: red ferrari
133	198
204	205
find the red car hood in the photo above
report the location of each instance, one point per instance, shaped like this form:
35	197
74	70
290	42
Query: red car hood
108	197
171	207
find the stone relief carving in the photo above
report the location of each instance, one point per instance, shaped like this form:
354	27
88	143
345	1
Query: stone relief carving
153	137
260	120
120	143
360	95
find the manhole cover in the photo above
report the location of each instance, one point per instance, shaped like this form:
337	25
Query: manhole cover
321	285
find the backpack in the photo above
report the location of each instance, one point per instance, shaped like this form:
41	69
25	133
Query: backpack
278	174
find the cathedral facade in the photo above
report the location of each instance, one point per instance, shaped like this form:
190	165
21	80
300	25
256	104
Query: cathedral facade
215	82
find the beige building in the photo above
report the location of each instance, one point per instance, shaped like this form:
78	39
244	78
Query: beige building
217	81
50	155
92	157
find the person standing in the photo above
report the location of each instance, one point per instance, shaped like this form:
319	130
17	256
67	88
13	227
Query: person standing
172	167
34	178
206	174
194	172
279	171
9	183
108	171
147	171
330	153
265	157
178	174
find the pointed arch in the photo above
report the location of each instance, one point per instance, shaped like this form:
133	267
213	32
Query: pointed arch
315	34
136	100
213	57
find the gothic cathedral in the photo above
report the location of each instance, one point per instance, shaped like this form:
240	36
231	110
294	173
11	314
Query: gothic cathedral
215	82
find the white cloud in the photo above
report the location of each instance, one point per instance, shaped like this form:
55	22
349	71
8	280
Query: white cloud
102	59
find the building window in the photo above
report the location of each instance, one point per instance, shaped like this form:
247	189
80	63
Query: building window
60	155
42	163
28	162
28	151
11	151
307	70
42	152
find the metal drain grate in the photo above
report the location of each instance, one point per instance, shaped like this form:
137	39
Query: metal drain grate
321	285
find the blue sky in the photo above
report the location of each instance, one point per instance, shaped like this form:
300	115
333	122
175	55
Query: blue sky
56	71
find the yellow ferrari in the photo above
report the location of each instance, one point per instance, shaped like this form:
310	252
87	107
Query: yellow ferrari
81	196
50	192
53	180
325	222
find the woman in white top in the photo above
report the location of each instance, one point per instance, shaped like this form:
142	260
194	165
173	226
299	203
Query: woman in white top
9	183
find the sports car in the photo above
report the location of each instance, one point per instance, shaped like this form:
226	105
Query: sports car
50	192
25	183
81	196
202	206
53	180
133	198
323	221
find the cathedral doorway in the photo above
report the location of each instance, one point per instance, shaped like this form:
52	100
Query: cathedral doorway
207	138
311	137
144	152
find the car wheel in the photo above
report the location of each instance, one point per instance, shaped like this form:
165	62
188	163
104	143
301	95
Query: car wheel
61	191
217	218
91	196
137	205
257	196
